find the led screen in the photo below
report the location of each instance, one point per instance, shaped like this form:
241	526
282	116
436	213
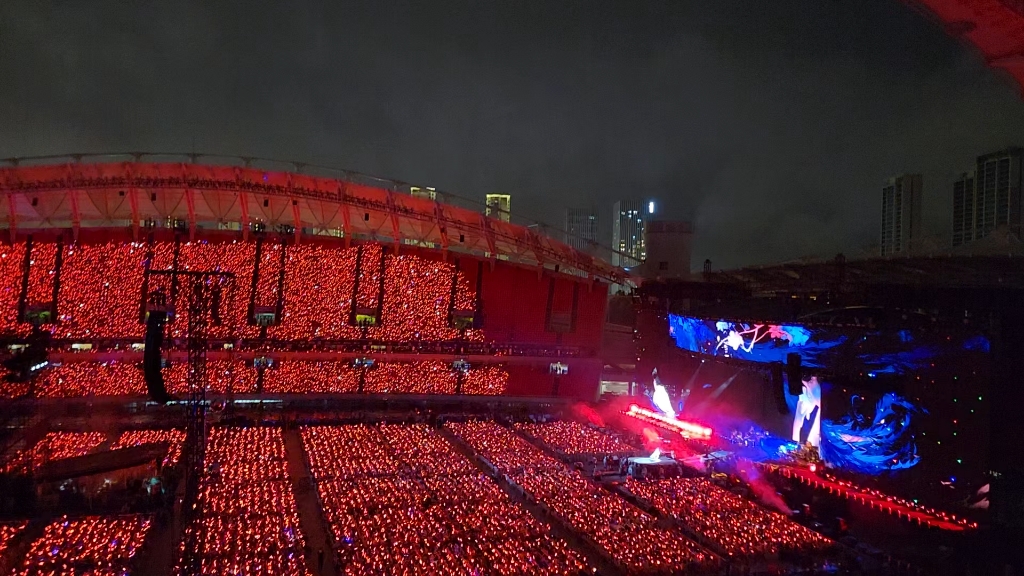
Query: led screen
834	348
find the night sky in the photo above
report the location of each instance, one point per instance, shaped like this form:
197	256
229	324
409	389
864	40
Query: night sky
772	125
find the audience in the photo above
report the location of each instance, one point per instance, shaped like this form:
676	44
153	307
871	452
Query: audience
174	439
575	439
401	500
735	524
54	446
248	522
632	538
91	545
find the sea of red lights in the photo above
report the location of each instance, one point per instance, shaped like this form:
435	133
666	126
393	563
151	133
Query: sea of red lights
248	523
93	545
401	500
54	446
574	439
8	530
79	379
632	538
174	439
101	289
736	525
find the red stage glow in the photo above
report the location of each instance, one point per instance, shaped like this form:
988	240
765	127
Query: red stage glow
685	429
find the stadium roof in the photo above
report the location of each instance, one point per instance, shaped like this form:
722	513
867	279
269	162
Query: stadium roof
994	27
39	194
1006	271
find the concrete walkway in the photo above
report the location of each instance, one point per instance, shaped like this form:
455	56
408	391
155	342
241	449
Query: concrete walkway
160	553
314	525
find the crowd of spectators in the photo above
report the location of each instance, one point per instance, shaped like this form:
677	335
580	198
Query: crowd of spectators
248	522
173	438
630	537
114	378
76	379
101	290
53	446
431	377
92	545
575	439
12	258
401	500
311	377
8	530
735	524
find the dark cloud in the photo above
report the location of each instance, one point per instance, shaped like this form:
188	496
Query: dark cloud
771	125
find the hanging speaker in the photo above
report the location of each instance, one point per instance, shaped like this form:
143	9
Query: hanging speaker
151	364
793	374
778	385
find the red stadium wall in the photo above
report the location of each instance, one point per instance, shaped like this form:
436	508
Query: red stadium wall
516	308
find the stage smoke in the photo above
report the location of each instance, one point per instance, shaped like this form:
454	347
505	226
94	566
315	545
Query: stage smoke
587	413
761	488
651	438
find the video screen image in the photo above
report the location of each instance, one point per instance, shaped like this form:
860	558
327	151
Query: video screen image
835	348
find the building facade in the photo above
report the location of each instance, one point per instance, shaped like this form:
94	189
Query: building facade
580	228
629	222
997	192
963	209
989	197
427	193
668	246
901	214
499	206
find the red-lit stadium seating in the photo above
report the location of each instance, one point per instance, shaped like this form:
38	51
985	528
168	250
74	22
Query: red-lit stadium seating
100	287
575	439
632	538
248	522
8	530
92	545
400	500
736	525
75	379
174	439
54	446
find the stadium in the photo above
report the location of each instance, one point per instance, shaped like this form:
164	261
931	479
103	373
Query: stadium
218	367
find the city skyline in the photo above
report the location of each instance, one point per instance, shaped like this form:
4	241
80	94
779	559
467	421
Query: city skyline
901	214
696	104
629	223
581	228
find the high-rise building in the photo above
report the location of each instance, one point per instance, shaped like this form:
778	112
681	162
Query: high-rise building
580	228
997	192
963	209
668	246
427	193
629	218
499	206
901	213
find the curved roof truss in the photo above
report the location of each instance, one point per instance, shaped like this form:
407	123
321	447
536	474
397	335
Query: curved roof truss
137	195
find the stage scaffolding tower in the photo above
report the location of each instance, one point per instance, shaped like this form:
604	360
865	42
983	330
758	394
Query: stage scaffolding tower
206	295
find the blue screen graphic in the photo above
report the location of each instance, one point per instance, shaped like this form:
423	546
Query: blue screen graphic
885	443
840	349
